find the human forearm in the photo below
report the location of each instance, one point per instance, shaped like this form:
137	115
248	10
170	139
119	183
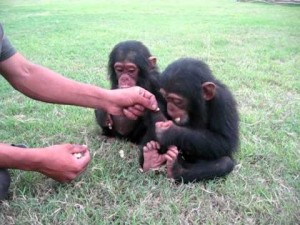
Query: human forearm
46	85
43	84
54	88
20	158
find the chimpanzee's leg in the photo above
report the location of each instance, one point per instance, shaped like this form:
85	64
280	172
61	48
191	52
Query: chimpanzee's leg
202	169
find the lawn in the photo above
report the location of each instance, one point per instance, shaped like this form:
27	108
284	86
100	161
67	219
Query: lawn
252	47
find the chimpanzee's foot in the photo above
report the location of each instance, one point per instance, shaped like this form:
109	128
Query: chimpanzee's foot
4	184
152	159
171	156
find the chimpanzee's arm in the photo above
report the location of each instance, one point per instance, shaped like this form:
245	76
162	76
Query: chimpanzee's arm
198	143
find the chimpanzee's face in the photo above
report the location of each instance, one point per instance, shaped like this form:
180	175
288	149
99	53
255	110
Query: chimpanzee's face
127	74
177	107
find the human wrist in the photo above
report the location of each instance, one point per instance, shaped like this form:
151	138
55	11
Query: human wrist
38	159
105	100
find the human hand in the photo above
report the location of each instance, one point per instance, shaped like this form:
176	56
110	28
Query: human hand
131	102
60	163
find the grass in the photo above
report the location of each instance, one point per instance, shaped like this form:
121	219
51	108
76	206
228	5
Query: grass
253	48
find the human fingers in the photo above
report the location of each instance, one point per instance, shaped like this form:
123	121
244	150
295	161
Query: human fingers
135	111
76	148
147	99
84	160
80	164
139	108
129	114
79	151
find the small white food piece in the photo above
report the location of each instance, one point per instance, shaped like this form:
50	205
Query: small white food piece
121	152
78	155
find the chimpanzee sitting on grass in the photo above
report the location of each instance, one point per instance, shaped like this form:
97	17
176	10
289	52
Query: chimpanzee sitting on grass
130	64
199	142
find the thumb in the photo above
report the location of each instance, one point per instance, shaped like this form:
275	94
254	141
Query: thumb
78	148
147	99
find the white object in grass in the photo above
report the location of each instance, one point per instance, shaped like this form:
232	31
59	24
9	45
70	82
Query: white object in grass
78	155
121	152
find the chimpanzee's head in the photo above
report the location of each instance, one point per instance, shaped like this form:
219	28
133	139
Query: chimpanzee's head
129	64
187	84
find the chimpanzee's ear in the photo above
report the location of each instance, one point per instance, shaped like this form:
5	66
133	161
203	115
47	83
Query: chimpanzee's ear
209	90
152	62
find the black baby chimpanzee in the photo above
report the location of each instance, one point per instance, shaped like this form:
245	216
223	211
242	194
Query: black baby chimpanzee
130	64
204	132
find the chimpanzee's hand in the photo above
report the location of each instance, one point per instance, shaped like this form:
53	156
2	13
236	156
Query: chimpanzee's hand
161	127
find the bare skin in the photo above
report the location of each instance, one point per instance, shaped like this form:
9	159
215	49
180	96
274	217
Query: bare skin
152	159
161	127
56	162
171	157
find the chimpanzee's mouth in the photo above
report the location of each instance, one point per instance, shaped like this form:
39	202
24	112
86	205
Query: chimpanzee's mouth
180	121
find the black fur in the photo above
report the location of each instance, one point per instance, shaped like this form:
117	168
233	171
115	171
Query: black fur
207	142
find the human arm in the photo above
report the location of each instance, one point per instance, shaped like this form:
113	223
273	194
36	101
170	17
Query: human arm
56	162
45	85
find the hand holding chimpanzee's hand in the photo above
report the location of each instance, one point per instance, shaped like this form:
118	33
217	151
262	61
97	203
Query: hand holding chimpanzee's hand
131	102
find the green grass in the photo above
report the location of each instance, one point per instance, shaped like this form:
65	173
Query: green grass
253	48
